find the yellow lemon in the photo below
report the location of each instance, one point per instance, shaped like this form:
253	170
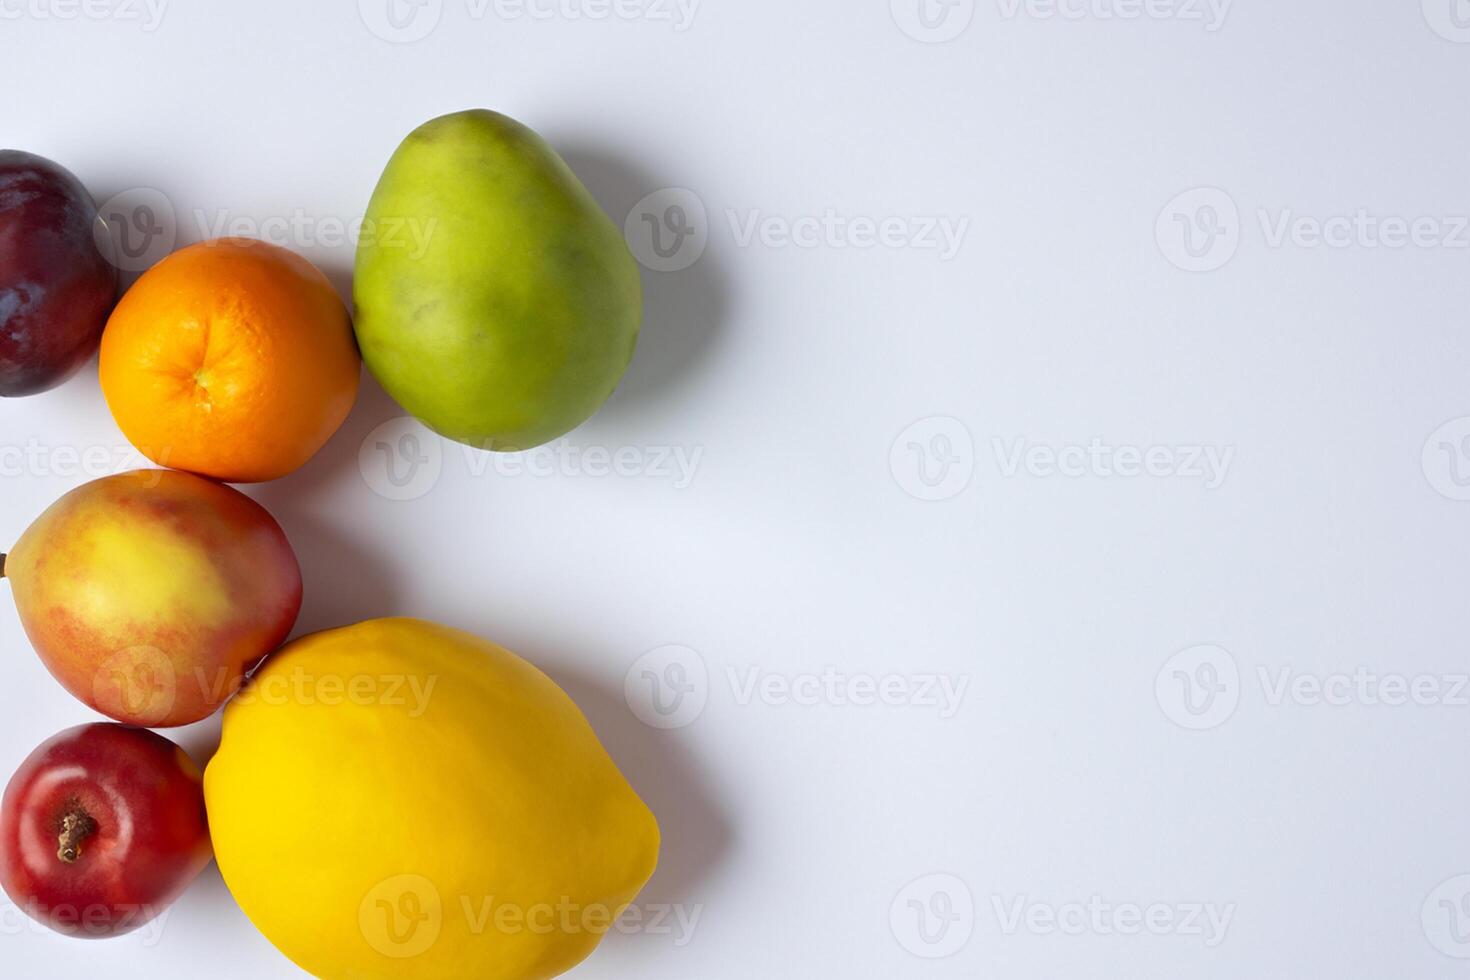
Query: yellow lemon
398	799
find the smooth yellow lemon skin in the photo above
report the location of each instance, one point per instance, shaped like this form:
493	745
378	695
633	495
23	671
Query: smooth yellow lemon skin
398	799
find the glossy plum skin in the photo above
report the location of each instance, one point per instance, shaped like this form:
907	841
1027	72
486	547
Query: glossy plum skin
134	804
56	286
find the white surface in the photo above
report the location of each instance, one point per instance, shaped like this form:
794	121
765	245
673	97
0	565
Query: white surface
1332	544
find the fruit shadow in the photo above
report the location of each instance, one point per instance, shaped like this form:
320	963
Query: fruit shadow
346	580
684	312
696	834
336	265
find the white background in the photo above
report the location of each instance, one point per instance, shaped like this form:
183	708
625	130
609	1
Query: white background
1331	543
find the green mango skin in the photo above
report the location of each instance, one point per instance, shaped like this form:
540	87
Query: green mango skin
496	302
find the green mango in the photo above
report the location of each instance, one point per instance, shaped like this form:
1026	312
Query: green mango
496	302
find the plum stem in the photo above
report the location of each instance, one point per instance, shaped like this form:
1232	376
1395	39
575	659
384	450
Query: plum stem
76	827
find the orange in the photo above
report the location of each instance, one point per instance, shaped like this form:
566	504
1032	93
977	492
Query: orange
232	358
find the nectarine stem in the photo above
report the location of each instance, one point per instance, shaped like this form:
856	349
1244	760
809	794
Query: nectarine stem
76	827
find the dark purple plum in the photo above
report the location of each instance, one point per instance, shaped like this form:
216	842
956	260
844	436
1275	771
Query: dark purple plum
56	286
